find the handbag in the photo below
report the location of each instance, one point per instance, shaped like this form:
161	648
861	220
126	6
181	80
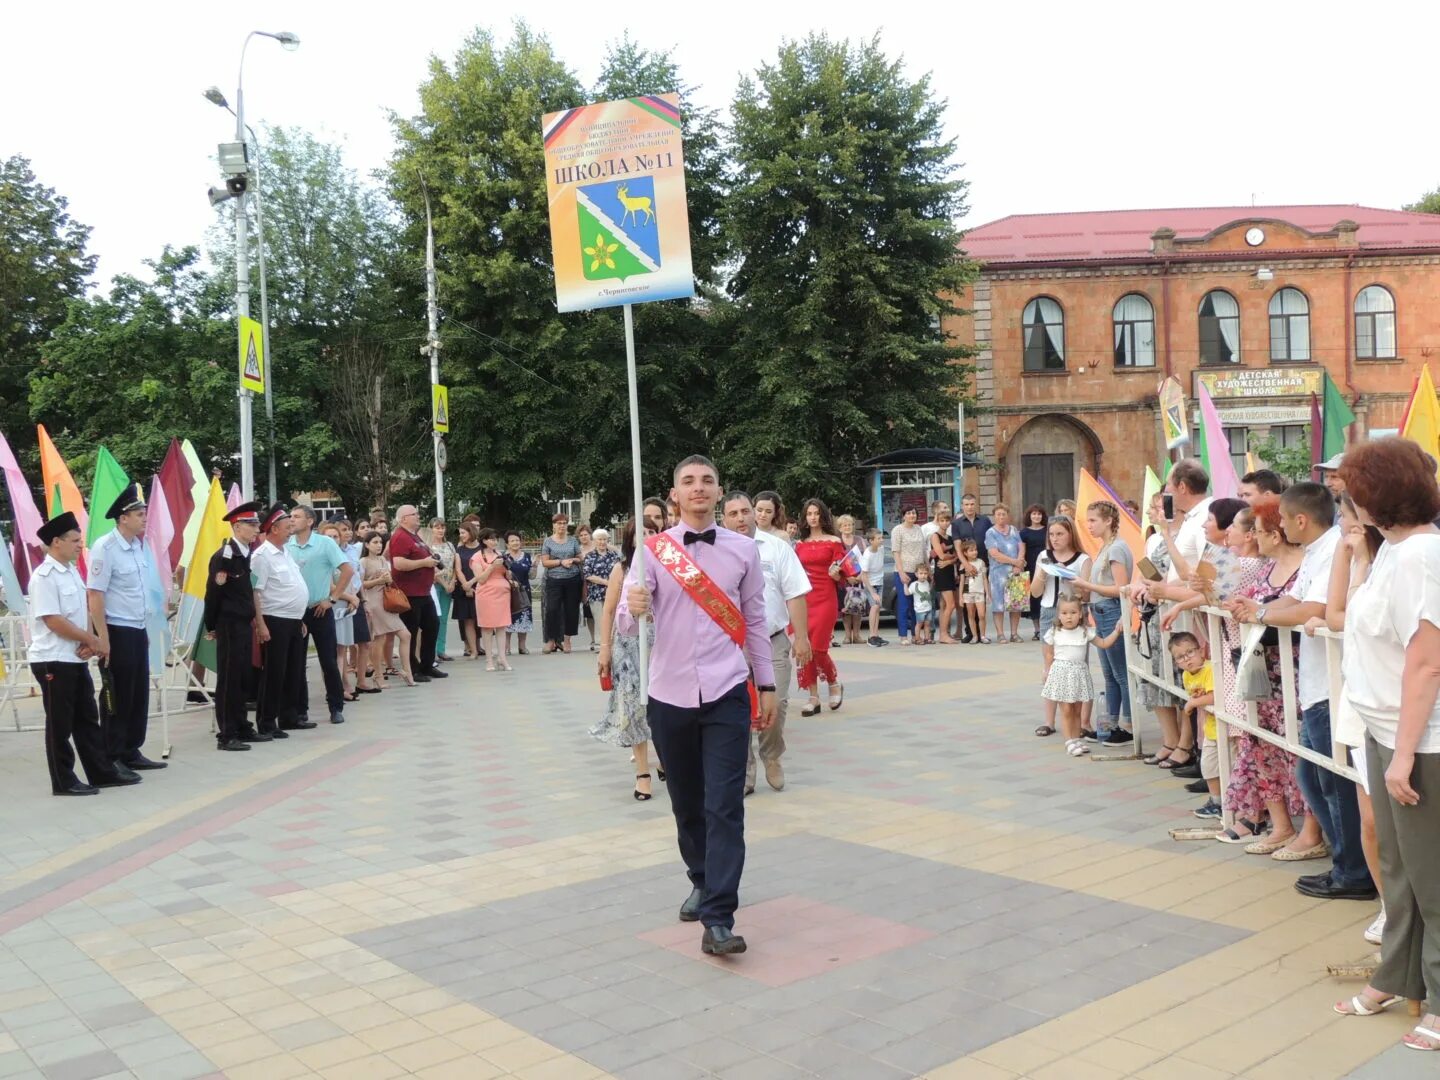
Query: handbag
856	602
395	601
1252	679
517	598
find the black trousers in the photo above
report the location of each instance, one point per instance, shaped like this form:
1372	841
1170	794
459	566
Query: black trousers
704	751
68	694
322	632
561	611
234	641
282	681
424	624
125	711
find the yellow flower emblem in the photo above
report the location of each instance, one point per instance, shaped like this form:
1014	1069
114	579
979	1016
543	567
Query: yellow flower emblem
601	253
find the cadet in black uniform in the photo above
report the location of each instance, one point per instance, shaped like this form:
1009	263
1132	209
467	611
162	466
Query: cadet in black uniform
229	618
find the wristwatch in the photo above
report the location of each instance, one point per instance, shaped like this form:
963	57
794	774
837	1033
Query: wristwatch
764	689
1260	614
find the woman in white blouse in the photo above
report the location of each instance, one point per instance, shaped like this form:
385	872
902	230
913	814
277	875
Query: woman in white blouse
1392	678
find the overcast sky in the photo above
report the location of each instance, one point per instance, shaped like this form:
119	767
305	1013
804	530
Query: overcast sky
1054	106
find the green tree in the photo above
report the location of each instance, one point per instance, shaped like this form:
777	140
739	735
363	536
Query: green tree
1429	203
843	210
1291	462
43	266
152	360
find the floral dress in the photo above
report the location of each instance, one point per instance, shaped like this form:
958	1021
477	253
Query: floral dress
625	722
1147	642
1261	772
597	564
519	569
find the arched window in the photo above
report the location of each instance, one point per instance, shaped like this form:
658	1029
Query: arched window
1374	323
1134	318
1044	325
1289	325
1219	328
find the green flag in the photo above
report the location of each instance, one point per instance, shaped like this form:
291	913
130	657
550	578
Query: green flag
110	480
1338	417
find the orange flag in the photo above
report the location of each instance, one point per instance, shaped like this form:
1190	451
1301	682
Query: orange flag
56	477
1092	490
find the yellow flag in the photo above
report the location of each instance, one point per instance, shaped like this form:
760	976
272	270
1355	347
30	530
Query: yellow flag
213	532
1422	418
1092	490
1252	464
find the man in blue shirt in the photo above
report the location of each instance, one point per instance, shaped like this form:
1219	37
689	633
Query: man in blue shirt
319	558
119	564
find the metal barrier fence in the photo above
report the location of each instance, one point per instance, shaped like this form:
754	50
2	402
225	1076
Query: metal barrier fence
1288	738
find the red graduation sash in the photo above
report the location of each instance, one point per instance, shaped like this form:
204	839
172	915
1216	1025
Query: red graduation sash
712	599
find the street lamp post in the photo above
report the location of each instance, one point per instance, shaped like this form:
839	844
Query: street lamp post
242	264
216	97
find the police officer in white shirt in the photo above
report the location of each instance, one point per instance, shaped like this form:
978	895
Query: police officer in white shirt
785	587
120	563
61	645
280	600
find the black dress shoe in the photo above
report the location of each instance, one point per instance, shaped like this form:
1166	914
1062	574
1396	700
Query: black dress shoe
1198	787
1186	772
119	781
299	725
337	716
129	775
232	744
197	697
78	788
436	673
1315	879
1331	891
690	909
422	678
255	736
719	941
140	761
277	734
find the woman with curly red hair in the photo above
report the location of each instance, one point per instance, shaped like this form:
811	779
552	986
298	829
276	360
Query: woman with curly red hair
1392	680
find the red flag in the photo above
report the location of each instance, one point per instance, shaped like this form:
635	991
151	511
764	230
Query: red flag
177	481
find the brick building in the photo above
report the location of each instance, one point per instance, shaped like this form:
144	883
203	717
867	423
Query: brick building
1078	317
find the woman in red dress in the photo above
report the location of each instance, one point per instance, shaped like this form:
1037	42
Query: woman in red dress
821	553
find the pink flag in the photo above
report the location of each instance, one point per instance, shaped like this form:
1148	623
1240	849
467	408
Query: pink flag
28	552
1224	484
159	529
234	498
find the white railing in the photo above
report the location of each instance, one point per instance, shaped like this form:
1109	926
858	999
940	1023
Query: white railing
1289	738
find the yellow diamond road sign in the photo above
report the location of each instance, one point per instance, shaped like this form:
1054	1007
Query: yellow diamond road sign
440	407
252	356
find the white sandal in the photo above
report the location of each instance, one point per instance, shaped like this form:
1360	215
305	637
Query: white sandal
1424	1033
1360	1006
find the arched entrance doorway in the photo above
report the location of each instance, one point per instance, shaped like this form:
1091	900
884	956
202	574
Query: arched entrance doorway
1044	459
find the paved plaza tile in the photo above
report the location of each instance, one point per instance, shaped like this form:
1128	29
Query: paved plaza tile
457	883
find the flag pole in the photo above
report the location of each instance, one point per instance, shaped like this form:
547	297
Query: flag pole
638	491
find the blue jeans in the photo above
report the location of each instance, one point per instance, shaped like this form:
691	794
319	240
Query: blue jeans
1112	664
1331	799
904	609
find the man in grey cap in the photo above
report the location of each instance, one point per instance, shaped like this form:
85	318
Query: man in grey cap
119	564
1330	475
61	646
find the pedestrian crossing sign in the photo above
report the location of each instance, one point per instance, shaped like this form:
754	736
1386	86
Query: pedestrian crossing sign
252	356
440	407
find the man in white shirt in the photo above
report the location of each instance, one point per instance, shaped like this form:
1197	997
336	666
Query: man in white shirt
61	646
281	597
1307	513
1187	483
785	587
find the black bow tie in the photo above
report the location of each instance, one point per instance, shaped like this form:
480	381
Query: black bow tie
707	537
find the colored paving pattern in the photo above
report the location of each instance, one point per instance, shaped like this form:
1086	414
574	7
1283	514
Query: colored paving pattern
457	883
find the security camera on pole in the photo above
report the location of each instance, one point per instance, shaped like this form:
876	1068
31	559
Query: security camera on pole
235	165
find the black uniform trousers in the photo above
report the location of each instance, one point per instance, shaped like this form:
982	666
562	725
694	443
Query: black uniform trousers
282	681
234	642
125	711
424	624
68	694
560	611
322	632
704	751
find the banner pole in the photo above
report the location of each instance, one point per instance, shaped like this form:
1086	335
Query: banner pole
638	490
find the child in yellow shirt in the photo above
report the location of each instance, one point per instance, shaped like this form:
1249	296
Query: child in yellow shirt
1198	677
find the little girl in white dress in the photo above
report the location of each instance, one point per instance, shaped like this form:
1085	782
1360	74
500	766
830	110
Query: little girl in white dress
1068	683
